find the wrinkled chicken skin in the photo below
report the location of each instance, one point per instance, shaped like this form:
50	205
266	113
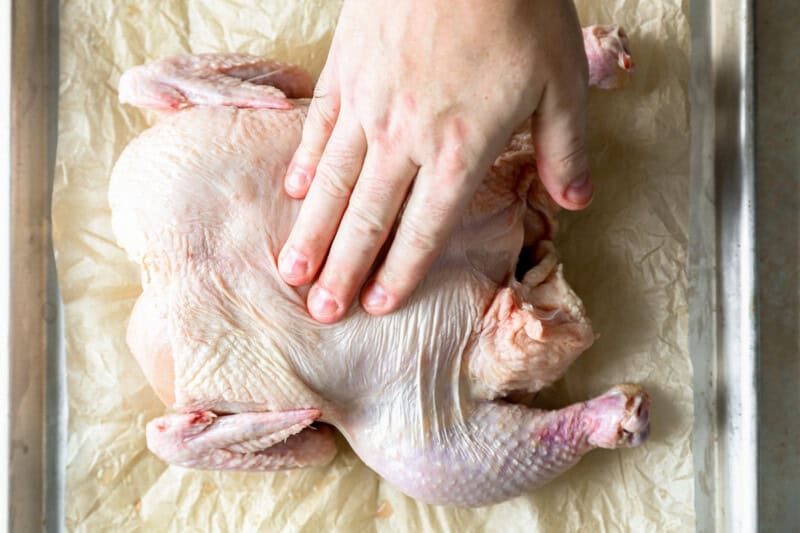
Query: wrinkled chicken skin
422	395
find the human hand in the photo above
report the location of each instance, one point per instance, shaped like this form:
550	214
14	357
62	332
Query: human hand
417	98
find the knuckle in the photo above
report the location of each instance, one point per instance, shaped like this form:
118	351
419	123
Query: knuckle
340	155
417	237
381	127
453	180
331	182
324	86
437	211
451	169
377	190
561	142
367	222
323	112
574	158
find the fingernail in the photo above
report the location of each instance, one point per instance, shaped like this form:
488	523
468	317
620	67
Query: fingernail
580	190
297	179
292	264
375	297
321	303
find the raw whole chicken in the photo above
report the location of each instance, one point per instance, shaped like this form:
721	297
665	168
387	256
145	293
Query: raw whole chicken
428	396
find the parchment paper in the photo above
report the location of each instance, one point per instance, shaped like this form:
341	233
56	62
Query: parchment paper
624	255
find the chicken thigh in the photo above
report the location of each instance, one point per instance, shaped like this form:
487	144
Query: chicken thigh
425	395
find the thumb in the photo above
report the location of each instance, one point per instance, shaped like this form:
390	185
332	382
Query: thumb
559	138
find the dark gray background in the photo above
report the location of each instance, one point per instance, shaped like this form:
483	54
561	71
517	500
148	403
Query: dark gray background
778	168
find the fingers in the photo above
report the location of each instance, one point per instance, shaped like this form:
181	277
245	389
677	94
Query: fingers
559	137
431	213
317	129
326	201
373	208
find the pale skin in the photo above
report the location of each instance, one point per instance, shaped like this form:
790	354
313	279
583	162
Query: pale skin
415	101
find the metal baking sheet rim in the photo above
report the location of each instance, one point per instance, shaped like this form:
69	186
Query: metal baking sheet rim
722	273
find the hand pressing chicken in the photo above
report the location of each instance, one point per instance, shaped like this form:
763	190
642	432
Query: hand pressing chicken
417	98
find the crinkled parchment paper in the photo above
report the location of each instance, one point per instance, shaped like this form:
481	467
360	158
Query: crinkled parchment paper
624	255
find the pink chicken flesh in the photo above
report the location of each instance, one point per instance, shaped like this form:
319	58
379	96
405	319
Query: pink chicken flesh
423	395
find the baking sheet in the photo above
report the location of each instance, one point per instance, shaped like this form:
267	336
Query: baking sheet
723	270
625	256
